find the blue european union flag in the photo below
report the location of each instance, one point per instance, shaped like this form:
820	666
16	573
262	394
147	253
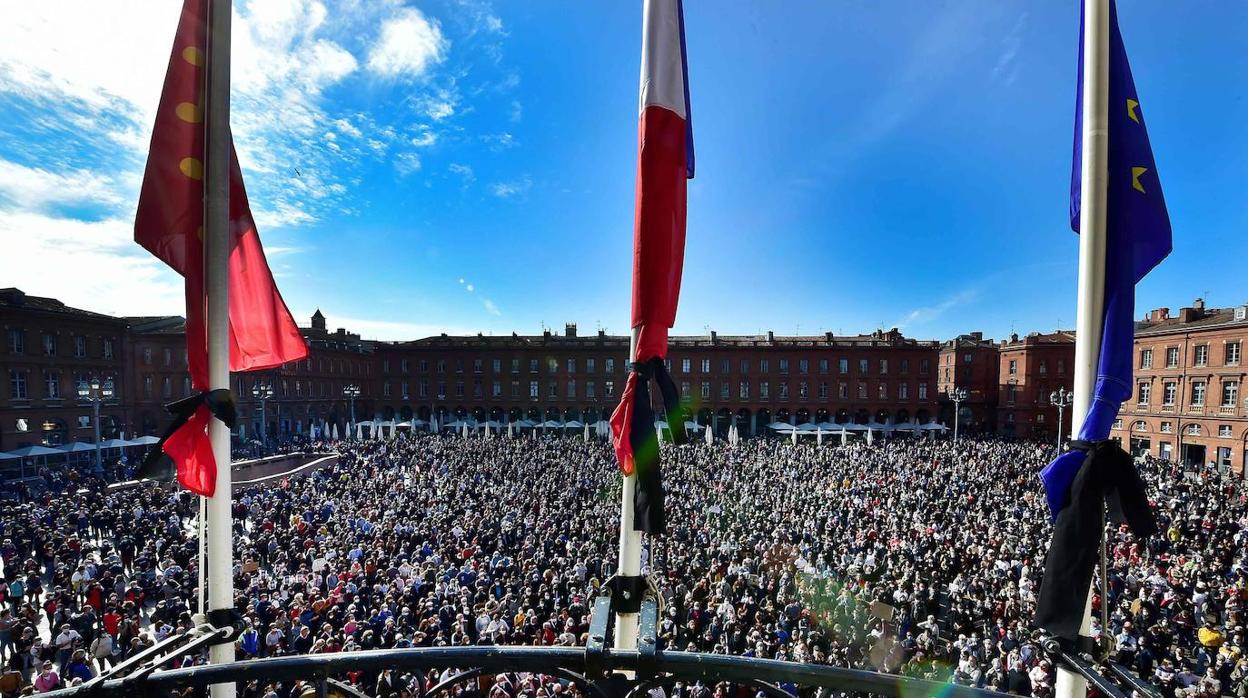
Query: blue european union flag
1137	239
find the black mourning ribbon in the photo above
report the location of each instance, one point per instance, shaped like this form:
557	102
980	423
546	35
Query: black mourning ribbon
648	513
157	465
1108	478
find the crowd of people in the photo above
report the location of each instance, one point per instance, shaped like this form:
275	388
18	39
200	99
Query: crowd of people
906	555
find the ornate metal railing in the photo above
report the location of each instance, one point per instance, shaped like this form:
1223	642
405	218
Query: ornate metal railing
597	669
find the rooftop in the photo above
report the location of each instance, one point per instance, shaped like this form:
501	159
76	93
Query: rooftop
14	298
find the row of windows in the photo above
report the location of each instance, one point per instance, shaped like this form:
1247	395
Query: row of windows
343	366
1225	431
48	344
20	384
1199	390
803	391
496	365
803	366
686	366
1231	354
1042	368
496	389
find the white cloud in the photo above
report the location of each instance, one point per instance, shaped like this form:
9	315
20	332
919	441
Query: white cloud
499	141
490	307
85	264
424	139
35	189
407	163
463	171
506	190
348	128
469	288
408	45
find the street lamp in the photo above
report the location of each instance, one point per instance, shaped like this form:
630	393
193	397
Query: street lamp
263	392
351	392
1061	398
957	395
95	391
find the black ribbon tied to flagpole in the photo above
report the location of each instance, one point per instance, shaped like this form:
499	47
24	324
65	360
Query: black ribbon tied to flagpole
1108	478
157	465
648	513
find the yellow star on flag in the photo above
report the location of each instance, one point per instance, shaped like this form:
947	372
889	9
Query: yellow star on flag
1131	107
1135	178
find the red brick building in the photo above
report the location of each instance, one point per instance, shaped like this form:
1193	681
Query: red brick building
49	348
1030	369
754	379
972	363
1190	376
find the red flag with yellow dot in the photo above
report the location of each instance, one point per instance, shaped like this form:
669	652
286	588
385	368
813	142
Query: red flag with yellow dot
169	224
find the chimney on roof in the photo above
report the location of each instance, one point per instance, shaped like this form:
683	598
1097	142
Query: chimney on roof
828	337
1199	304
1159	314
714	336
771	336
545	333
977	336
1014	337
602	332
569	329
1196	312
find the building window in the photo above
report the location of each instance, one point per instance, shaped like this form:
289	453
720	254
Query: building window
589	389
1167	427
1168	392
764	391
1011	394
1224	431
744	390
823	391
532	365
1040	418
725	390
863	367
1061	367
862	390
571	365
571	387
947	374
515	390
923	366
422	388
803	391
186	387
1144	392
883	387
441	365
49	344
610	386
1044	367
166	388
783	365
1118	424
1198	394
1172	357
903	391
923	390
552	390
17	385
590	365
706	390
1202	355
764	365
1232	354
706	365
533	390
476	365
1146	358
803	366
515	365
609	365
52	381
842	366
745	366
784	391
476	388
80	346
685	365
1192	430
883	367
905	366
684	390
1230	393
552	366
385	365
842	390
17	341
1013	367
823	366
496	365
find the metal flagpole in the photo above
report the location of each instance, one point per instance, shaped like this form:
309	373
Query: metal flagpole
630	542
216	281
1091	289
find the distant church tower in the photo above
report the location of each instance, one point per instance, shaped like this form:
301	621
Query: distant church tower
318	320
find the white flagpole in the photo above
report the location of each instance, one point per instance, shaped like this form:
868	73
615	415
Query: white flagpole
630	543
1091	290
216	282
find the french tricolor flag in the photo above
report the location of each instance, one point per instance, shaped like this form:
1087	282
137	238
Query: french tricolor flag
664	164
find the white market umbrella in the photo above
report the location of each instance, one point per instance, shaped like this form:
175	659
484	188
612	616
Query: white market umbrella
844	436
870	438
793	436
511	430
586	434
710	437
464	429
333	431
819	436
142	441
77	447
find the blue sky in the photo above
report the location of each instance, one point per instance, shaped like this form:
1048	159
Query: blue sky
419	167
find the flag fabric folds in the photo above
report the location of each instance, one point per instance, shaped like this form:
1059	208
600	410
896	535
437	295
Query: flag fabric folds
169	224
1137	239
665	162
